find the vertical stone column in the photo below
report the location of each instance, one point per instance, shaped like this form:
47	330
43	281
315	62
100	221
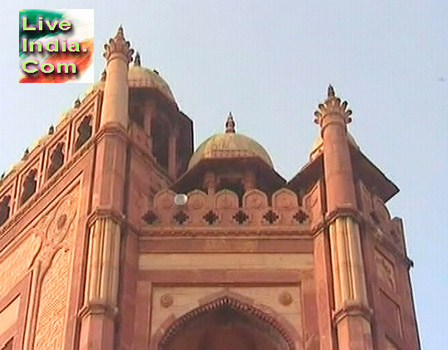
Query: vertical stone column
103	263
102	279
210	183
249	180
99	314
172	150
118	55
352	313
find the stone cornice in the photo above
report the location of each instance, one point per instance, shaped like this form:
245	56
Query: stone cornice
237	231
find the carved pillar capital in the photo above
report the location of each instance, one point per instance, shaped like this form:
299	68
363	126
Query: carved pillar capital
332	111
352	308
118	47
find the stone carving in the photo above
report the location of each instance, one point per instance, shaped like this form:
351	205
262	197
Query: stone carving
366	200
332	106
385	270
164	199
196	200
226	199
204	210
285	298
52	230
381	211
255	199
285	199
118	45
55	231
166	300
312	203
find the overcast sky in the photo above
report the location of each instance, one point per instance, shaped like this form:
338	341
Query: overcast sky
269	62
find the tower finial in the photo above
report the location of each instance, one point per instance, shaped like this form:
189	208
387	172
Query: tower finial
118	46
138	60
120	32
230	124
330	92
332	106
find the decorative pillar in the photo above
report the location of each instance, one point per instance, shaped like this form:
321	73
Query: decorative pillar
210	183
249	180
104	246
100	295
352	312
98	316
118	55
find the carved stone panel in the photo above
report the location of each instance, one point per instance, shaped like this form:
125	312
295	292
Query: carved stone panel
385	270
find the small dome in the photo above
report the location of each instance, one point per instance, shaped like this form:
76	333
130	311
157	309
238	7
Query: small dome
318	144
230	145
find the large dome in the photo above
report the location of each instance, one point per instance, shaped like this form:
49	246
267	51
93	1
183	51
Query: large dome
230	145
147	78
141	77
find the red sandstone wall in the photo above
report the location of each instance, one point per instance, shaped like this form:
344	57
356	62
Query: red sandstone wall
42	242
387	271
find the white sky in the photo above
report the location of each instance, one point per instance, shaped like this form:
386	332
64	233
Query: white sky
270	62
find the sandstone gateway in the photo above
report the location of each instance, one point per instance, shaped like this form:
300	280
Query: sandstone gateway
114	234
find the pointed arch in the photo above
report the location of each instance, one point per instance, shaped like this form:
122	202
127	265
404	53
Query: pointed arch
229	307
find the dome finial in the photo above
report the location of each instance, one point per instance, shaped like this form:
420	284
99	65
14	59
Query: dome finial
230	124
138	60
330	92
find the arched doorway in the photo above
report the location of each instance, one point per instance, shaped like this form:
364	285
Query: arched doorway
226	324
